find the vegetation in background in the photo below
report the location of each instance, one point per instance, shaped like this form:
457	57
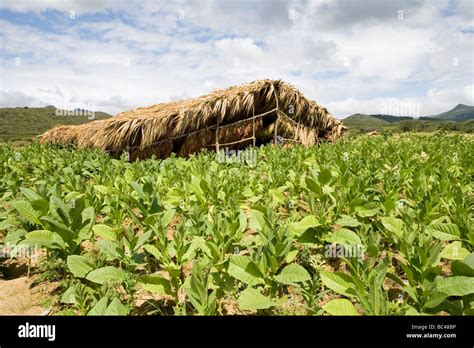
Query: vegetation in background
459	119
24	123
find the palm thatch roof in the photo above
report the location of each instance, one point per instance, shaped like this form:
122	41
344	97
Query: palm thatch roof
252	112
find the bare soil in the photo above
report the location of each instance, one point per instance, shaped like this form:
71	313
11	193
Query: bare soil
19	295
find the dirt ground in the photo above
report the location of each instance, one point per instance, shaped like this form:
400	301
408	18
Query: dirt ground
17	297
18	293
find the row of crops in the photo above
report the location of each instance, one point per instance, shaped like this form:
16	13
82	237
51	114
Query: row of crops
368	226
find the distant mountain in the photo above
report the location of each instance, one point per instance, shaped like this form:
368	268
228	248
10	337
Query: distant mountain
460	113
25	122
363	123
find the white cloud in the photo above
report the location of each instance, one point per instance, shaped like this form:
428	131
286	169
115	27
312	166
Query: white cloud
79	6
435	101
348	56
469	93
16	99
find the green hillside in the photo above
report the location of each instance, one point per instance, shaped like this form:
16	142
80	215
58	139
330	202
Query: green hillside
392	119
364	121
459	118
24	123
459	114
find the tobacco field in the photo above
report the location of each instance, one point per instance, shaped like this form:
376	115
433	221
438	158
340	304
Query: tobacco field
372	225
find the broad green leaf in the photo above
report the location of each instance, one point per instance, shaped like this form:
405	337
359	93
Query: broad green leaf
328	190
346	220
100	307
411	292
191	251
69	296
155	283
252	299
291	256
454	251
128	175
393	225
411	311
293	273
66	233
14	237
338	282
464	267
116	308
45	238
257	220
26	211
104	231
167	217
152	250
78	265
242	222
198	243
138	189
30	194
435	299
277	196
4	225
444	231
196	187
59	210
324	176
455	286
142	239
344	236
88	220
469	260
172	199
298	228
313	186
101	189
109	248
363	213
340	306
245	270
106	274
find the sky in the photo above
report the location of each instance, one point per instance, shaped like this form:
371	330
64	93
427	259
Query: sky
351	56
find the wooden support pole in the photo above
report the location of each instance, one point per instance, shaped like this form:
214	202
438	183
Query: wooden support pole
253	125
217	135
297	128
278	116
234	142
276	128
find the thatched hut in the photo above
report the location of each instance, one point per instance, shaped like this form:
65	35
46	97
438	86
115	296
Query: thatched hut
250	114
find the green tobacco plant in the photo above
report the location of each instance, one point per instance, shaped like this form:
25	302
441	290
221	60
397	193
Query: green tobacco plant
204	236
55	225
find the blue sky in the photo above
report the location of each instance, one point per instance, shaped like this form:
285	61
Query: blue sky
349	56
